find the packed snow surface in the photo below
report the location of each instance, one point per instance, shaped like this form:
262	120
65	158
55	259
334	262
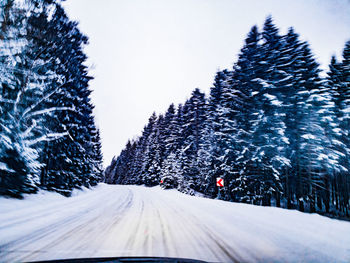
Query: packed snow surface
115	220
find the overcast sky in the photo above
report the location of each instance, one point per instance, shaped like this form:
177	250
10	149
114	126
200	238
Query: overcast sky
146	54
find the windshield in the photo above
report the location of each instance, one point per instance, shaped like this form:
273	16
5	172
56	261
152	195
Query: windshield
174	131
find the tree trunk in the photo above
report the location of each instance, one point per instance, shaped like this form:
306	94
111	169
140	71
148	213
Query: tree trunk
278	200
301	206
319	202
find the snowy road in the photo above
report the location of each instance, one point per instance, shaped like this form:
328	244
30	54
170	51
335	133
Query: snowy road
139	221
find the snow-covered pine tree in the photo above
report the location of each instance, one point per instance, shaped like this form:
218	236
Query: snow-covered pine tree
171	133
152	158
310	133
75	160
48	131
171	173
291	56
144	155
272	128
236	113
269	138
194	116
213	146
124	165
119	171
344	182
17	158
27	83
137	162
339	84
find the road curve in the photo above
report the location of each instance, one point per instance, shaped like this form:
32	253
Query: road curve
114	220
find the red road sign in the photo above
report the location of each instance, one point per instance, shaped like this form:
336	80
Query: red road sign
219	182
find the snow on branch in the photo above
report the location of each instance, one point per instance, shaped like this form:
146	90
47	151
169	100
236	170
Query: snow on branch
41	100
46	138
7	101
46	111
4	167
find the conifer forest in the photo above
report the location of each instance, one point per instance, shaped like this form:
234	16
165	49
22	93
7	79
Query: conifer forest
243	150
48	137
275	127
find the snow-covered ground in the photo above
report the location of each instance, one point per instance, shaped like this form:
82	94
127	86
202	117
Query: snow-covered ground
114	220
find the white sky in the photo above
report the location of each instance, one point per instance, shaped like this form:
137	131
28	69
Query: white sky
146	54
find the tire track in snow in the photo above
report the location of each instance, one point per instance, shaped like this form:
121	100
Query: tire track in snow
13	220
192	226
107	218
75	226
140	221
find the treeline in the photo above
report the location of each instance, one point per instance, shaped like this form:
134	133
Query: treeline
275	130
48	137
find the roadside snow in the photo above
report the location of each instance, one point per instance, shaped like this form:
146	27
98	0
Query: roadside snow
115	220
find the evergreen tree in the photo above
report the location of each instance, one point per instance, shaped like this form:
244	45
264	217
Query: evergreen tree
75	160
339	84
272	128
171	173
194	115
44	102
152	152
213	145
26	83
239	106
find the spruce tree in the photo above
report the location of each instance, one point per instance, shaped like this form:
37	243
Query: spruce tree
74	160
